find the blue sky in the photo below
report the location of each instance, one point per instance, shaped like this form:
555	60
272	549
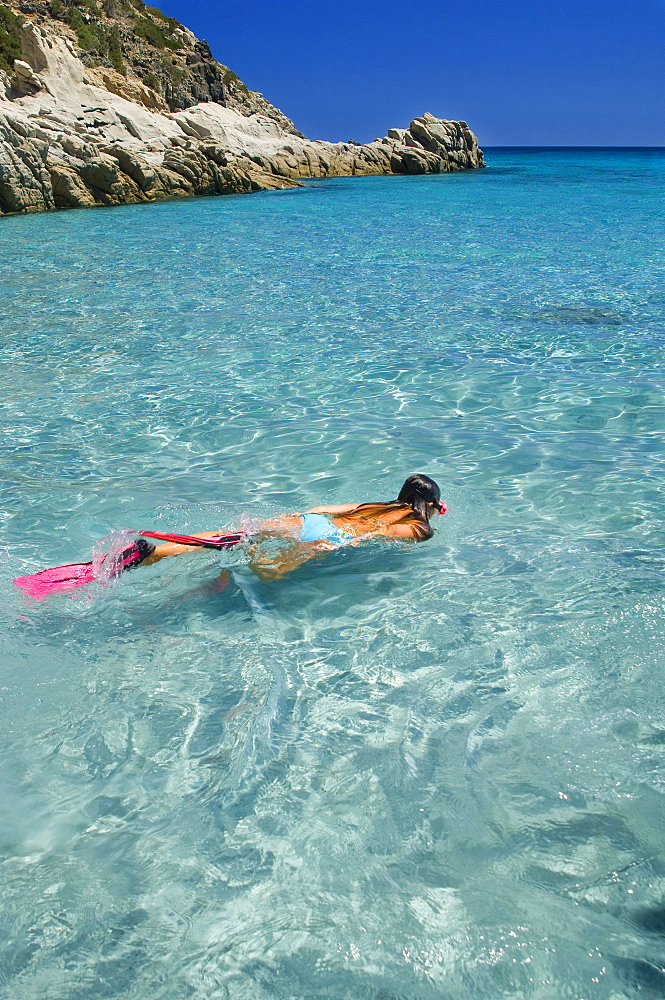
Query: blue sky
520	72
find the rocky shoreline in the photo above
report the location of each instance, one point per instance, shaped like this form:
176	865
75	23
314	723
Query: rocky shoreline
75	136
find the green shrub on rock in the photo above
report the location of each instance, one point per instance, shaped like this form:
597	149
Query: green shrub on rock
171	21
96	40
152	81
63	10
154	34
232	79
91	6
88	35
10	43
115	50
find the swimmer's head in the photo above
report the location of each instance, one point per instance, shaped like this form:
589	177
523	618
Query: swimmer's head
422	493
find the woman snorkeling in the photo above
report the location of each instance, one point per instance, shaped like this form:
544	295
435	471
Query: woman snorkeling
277	546
331	526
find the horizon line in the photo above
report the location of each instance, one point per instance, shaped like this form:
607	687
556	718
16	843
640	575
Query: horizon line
513	145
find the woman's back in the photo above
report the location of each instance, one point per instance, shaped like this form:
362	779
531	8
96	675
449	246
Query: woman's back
391	520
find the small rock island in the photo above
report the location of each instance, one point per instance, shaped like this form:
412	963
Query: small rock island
109	102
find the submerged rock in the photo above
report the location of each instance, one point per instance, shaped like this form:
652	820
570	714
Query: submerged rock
583	316
73	136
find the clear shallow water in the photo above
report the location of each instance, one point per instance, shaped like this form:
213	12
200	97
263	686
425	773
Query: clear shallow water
399	773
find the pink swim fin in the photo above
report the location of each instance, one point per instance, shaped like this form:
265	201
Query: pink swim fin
50	581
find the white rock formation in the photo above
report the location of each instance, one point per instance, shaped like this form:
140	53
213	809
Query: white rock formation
67	140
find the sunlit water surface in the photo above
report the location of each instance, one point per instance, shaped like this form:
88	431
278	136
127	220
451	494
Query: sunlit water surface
401	772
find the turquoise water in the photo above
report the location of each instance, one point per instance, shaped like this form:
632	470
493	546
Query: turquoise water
401	772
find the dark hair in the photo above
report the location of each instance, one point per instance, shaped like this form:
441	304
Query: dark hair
418	492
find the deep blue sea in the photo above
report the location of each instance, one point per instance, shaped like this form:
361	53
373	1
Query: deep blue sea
402	772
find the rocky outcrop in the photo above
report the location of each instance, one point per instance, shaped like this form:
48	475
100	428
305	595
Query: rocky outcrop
138	52
73	136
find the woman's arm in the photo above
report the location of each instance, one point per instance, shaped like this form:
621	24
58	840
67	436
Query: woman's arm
414	532
333	508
